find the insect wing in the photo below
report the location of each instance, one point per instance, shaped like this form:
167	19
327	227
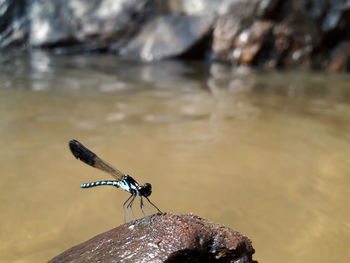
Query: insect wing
85	155
106	167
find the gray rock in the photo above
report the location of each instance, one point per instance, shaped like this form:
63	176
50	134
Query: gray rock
94	23
191	7
168	36
13	22
267	33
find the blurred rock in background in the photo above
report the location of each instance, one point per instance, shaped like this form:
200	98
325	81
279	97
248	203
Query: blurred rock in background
311	34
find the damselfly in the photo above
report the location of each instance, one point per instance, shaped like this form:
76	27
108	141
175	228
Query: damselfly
122	180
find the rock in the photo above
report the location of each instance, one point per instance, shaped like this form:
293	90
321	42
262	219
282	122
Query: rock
168	36
268	9
240	8
91	24
191	7
336	15
235	17
292	43
340	59
163	238
237	37
265	33
268	33
13	22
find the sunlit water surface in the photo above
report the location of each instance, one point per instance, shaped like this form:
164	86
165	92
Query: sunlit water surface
267	154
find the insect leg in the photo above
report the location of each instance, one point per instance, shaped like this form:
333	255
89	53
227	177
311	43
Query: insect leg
130	204
131	201
125	206
141	206
153	204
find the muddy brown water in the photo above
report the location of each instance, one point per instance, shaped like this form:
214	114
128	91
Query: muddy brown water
267	154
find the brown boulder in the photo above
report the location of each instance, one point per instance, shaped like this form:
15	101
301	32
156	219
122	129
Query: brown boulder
164	238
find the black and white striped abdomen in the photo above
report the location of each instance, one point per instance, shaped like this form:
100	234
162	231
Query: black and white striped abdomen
93	184
128	184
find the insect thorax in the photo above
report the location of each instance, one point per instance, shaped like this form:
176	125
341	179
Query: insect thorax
129	184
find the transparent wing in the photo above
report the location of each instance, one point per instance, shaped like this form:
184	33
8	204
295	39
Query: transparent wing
85	155
106	167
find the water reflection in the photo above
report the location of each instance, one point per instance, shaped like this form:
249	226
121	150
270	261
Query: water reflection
264	153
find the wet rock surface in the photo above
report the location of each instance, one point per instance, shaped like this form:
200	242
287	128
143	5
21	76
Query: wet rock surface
164	238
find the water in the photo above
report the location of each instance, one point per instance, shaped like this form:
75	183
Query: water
264	153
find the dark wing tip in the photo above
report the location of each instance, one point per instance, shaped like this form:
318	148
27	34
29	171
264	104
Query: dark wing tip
81	152
74	146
